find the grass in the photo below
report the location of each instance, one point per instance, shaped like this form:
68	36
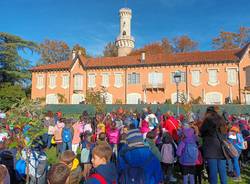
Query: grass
245	172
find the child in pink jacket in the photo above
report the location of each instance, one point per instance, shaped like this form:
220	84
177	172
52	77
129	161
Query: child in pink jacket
113	137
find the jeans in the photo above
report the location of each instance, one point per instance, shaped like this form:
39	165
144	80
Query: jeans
65	145
233	166
59	148
49	141
215	166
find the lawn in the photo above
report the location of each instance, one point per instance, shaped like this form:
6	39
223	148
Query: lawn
245	173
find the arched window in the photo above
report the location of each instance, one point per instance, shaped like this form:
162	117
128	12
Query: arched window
214	98
77	98
51	99
133	98
124	33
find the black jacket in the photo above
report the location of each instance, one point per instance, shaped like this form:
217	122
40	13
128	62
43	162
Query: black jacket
211	144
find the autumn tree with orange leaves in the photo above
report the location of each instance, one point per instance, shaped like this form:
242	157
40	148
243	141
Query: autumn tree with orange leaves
231	40
178	44
53	51
184	44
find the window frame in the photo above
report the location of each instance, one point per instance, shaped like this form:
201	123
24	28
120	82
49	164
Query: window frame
50	81
192	81
91	81
217	80
134	78
63	81
106	74
232	83
41	76
118	85
81	87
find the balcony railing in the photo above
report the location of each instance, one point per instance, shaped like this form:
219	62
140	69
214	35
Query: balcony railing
154	86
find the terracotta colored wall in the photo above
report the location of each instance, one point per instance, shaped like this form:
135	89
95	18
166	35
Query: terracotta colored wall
159	95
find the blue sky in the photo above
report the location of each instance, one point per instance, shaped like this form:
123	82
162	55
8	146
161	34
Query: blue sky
93	23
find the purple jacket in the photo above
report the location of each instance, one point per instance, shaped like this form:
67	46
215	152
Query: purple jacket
190	138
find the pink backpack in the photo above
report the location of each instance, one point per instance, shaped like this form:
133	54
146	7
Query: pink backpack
167	153
144	127
113	136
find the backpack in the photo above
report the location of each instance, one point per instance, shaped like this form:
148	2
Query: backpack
66	135
167	153
21	168
133	174
190	153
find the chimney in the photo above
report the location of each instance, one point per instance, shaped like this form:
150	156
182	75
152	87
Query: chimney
73	54
143	57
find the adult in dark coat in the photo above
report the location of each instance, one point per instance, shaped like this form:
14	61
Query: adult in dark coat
213	124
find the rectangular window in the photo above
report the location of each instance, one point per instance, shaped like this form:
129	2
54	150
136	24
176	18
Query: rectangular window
78	82
52	81
105	79
91	80
195	77
183	77
118	80
65	81
232	75
155	78
134	78
212	76
40	82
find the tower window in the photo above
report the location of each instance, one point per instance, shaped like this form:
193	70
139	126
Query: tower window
124	33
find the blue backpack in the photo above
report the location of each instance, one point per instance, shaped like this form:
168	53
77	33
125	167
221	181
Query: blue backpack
133	174
66	135
190	153
21	167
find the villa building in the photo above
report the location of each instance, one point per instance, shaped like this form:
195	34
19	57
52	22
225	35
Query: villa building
211	75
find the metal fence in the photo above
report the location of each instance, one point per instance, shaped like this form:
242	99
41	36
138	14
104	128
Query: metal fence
78	109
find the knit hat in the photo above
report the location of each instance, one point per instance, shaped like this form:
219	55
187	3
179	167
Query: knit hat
134	138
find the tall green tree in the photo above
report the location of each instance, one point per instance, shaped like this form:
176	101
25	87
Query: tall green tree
53	51
9	95
231	40
13	68
110	50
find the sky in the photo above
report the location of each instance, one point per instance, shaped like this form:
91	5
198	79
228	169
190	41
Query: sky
94	23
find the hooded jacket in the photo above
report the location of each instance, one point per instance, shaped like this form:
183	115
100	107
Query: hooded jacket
108	171
144	158
190	138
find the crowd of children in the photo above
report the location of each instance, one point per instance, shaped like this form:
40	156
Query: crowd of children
131	147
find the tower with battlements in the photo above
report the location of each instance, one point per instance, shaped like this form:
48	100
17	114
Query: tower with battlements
125	42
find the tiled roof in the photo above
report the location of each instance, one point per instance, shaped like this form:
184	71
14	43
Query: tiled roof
60	65
169	59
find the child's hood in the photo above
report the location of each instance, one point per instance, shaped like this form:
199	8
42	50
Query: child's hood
188	132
